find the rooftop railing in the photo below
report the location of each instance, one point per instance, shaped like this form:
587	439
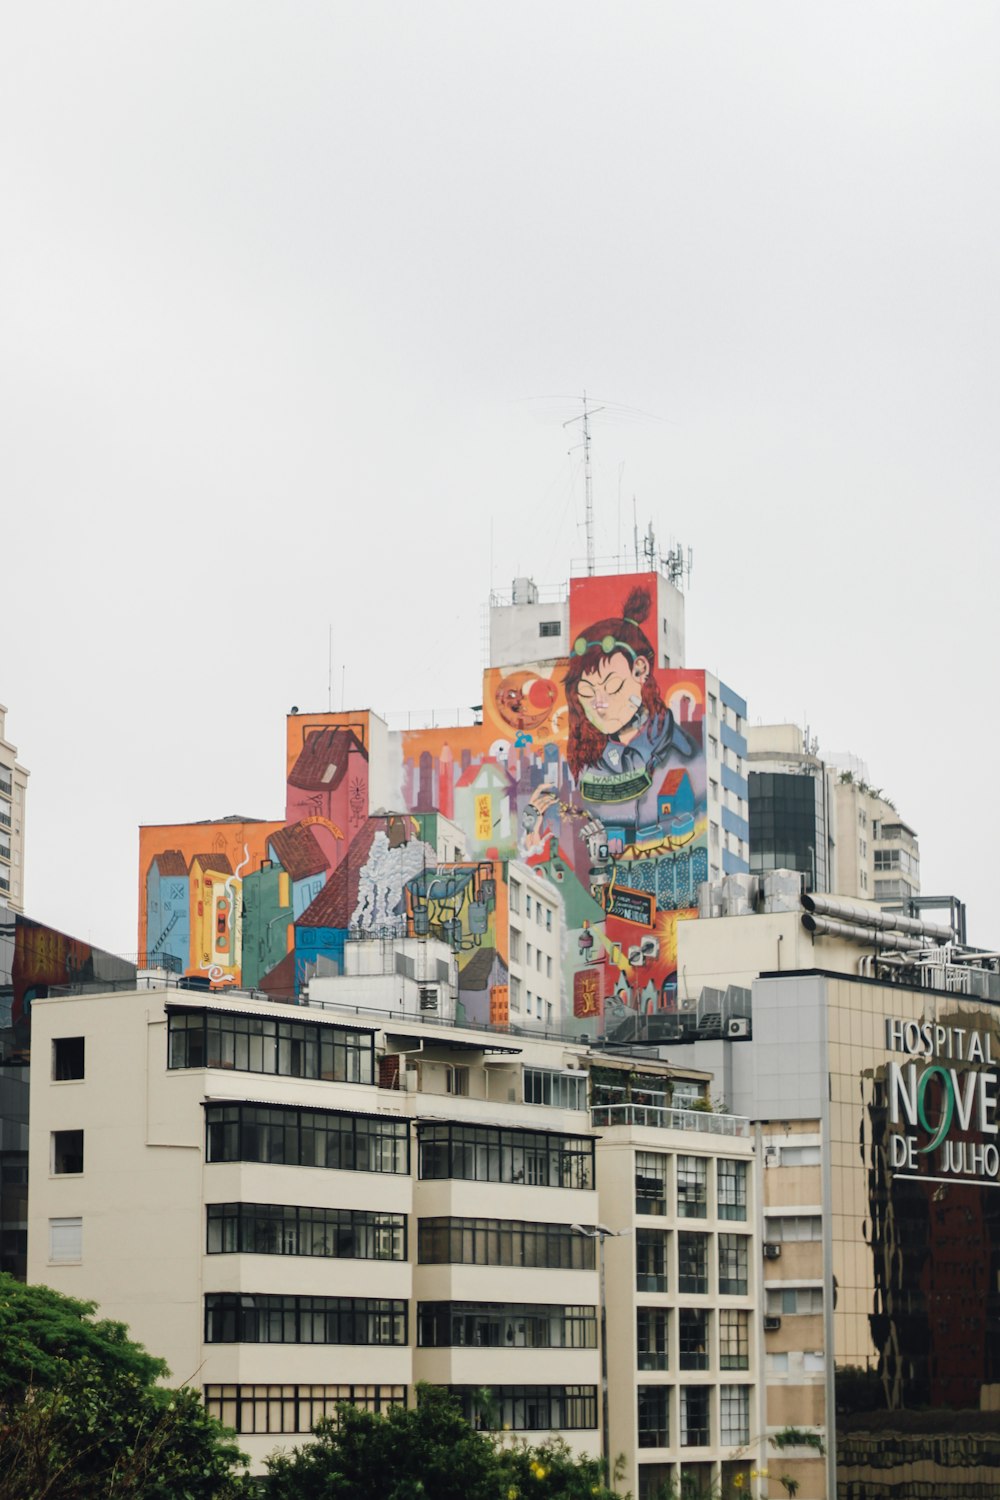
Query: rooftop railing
660	1117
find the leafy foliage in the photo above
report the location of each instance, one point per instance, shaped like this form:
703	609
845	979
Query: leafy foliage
427	1452
82	1418
42	1332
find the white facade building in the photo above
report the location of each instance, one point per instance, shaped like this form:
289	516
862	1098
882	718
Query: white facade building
13	792
295	1205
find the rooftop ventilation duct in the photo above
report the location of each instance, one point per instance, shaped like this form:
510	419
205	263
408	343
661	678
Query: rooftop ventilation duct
856	912
866	936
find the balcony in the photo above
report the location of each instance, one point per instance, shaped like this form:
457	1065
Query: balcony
659	1117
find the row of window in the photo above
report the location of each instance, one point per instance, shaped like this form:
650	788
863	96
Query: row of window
652	1172
481	1153
694	1416
297	1408
293	1408
652	1271
543	913
460	1325
694	1329
307	1138
283	1229
239	1318
561	1090
257	1044
502	1242
357	1234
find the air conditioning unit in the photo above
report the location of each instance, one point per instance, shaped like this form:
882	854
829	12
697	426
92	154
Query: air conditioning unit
771	1325
738	1026
771	1250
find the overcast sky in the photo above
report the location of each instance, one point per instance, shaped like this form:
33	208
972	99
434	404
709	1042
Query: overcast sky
296	297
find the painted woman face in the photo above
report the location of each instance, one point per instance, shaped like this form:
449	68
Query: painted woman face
611	695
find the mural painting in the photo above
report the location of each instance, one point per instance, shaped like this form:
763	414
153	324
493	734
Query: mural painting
589	769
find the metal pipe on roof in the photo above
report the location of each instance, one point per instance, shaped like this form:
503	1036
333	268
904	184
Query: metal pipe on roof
845	910
866	936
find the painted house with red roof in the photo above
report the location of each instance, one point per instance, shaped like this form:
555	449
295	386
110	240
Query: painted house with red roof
297	850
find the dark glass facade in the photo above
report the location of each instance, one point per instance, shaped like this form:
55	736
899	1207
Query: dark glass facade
788	825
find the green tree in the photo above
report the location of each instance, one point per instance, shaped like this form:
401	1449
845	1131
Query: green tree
82	1418
426	1452
551	1472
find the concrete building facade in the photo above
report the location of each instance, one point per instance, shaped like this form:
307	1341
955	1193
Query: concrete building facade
297	1205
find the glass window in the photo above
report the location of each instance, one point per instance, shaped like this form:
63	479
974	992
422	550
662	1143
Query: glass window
734	1415
260	1044
692	1187
650	1182
293	1408
782	1228
67	1058
482	1153
307	1138
692	1338
279	1229
734	1339
67	1152
652	1341
791	1301
234	1318
731	1177
733	1264
654	1422
501	1242
505	1325
528	1408
561	1090
651	1260
695	1416
692	1263
800	1156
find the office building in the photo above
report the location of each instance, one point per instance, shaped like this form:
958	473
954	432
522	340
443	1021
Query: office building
871	1079
820	816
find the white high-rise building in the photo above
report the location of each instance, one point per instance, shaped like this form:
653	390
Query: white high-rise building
13	790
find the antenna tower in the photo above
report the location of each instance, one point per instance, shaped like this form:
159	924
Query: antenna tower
588	486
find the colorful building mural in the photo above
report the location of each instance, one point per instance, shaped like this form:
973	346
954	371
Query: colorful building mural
590	769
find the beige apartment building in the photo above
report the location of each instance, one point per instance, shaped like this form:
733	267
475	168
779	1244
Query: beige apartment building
13	793
297	1205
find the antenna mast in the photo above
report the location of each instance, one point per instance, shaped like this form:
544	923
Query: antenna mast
588	487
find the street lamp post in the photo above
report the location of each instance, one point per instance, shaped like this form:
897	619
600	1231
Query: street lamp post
600	1233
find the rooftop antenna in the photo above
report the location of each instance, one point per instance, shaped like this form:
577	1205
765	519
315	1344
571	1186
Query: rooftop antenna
678	565
588	487
329	670
635	533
